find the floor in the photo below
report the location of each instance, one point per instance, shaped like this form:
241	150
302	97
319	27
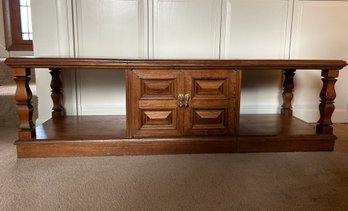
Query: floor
256	181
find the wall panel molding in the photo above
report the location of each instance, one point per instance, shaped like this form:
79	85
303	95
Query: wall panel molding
184	28
108	28
227	29
52	32
256	29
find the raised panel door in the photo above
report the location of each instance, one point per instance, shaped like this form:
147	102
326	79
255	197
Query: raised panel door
213	102
154	103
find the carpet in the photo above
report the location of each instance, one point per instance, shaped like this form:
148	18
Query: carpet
250	181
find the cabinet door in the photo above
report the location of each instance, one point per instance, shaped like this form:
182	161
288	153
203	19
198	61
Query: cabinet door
154	103
213	108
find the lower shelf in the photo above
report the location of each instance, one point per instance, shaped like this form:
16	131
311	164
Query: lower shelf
106	135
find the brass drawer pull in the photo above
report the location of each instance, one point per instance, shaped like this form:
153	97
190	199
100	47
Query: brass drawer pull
187	99
181	100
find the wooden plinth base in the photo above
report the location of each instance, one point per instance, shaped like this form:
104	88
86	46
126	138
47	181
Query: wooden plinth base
106	135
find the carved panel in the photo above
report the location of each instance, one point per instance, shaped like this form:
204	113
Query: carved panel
209	118
214	106
158	119
154	88
210	88
154	103
212	109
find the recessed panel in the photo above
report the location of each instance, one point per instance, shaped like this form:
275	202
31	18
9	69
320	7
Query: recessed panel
209	118
210	88
158	88
185	29
158	119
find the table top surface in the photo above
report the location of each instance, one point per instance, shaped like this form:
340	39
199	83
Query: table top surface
105	63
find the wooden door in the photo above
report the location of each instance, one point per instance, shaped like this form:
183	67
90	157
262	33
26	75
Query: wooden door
213	106
154	103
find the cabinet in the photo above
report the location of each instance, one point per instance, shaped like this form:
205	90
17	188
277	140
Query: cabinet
178	102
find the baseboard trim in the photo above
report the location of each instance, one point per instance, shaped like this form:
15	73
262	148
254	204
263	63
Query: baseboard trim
264	109
109	109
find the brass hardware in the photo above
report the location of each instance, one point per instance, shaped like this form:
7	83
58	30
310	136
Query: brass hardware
181	100
186	99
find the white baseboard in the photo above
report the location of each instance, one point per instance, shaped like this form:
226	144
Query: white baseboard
311	113
40	120
263	109
308	113
103	110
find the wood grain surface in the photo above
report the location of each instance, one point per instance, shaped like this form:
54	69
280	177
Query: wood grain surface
33	62
174	106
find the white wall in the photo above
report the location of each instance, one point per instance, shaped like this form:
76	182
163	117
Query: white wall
226	29
52	33
98	25
184	29
255	29
320	31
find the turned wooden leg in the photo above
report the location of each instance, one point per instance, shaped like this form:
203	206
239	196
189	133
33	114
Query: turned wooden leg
24	107
288	87
326	106
56	85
